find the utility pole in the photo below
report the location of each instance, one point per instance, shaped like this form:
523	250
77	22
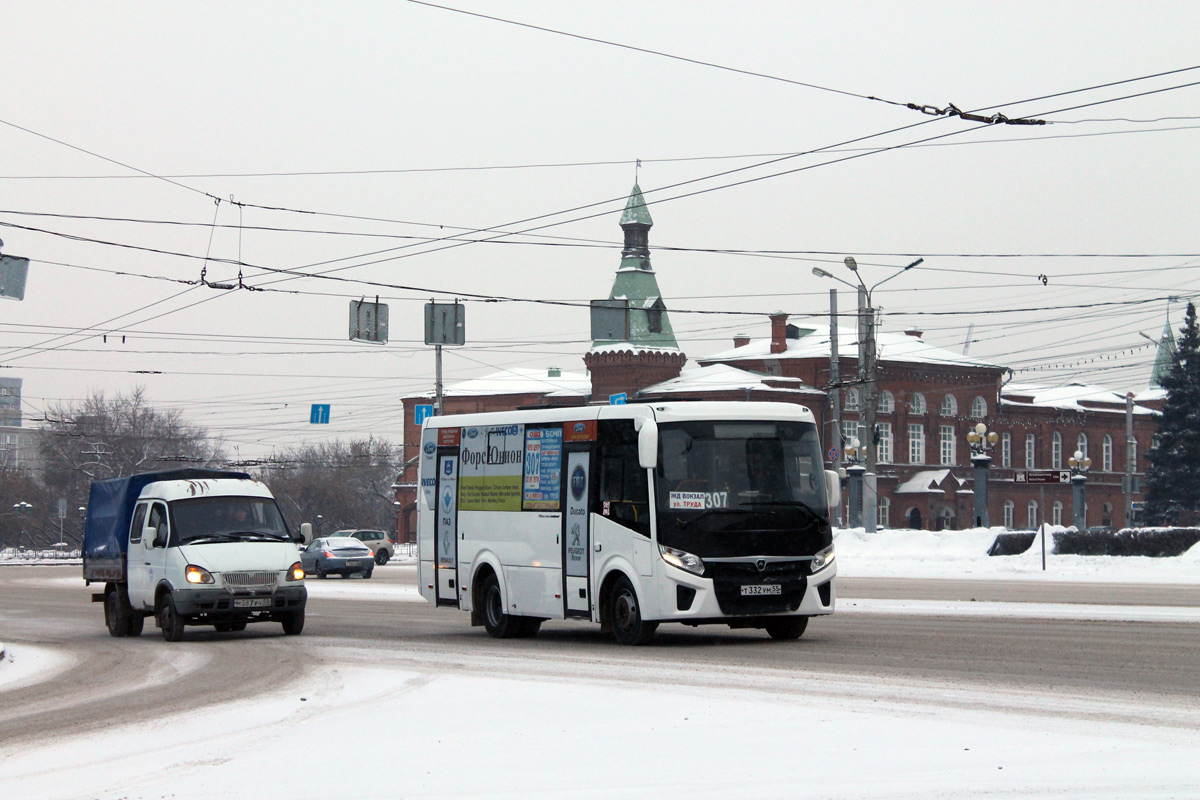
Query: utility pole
870	403
1130	455
835	392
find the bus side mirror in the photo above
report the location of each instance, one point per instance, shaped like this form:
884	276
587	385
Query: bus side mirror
833	490
306	532
647	443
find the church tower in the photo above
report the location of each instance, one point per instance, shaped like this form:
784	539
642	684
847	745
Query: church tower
633	344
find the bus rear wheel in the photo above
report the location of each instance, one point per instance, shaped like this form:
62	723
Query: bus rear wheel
625	615
499	625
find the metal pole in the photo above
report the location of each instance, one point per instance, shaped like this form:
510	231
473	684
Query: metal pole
835	392
856	494
981	462
437	405
870	396
1078	483
1042	514
1130	446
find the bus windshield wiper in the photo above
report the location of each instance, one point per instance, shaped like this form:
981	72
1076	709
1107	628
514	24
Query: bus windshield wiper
787	504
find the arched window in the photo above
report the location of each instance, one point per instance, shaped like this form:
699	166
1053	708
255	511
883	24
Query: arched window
1081	444
916	403
949	406
886	402
1057	518
1032	512
1106	451
852	399
1010	514
978	408
1056	451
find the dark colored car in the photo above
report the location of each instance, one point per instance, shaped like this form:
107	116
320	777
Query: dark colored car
338	555
378	541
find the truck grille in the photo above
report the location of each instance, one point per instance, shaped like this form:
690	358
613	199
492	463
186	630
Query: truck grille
250	579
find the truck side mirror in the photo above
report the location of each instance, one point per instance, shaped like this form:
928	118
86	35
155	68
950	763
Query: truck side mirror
160	536
149	533
306	532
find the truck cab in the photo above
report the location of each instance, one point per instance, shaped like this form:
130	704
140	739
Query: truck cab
192	547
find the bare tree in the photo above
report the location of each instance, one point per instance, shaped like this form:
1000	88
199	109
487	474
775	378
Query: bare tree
105	437
348	484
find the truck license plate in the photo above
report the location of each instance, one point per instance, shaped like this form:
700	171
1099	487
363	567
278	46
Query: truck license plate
756	589
252	602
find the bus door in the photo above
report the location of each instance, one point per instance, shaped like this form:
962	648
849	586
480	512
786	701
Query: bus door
577	540
446	535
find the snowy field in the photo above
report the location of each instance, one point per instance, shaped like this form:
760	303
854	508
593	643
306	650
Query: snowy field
435	724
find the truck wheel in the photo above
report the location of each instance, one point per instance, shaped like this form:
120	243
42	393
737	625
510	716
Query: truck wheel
136	623
168	620
293	622
625	614
786	628
114	616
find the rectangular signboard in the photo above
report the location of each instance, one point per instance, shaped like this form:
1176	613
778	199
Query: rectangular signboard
319	414
492	468
13	271
368	321
1043	476
445	323
543	468
422	412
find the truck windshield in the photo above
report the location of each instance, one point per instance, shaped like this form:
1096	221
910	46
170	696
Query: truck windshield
741	488
224	518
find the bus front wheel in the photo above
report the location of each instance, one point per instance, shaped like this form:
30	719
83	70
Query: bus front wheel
625	615
786	627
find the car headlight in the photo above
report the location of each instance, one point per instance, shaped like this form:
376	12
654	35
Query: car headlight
681	559
823	559
296	572
194	574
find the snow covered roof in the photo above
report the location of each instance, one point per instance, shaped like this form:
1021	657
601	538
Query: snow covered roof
724	378
629	347
901	347
1072	396
929	481
523	381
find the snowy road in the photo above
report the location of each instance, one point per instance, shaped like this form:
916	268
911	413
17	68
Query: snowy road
904	696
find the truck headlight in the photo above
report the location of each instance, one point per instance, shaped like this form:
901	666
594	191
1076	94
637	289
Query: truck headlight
296	572
823	559
194	574
681	559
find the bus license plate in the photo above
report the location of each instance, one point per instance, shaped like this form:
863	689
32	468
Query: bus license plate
252	602
756	589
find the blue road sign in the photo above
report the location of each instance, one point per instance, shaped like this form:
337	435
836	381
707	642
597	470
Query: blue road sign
618	399
319	414
422	413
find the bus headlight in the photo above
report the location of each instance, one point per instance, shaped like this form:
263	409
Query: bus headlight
681	559
296	572
823	559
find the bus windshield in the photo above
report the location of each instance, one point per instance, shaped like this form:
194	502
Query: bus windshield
737	488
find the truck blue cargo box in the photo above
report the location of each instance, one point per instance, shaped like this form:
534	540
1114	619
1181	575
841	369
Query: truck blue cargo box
110	507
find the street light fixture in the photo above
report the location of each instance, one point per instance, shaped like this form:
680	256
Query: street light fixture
982	442
1079	464
866	363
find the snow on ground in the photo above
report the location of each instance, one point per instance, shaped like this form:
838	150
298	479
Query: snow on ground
423	728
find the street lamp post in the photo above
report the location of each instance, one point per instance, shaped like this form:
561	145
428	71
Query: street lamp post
22	510
867	353
982	441
1079	464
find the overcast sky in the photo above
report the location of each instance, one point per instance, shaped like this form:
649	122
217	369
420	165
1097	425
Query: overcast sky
375	139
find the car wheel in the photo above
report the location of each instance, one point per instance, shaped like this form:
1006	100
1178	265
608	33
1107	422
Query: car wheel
382	557
168	619
786	628
222	627
625	615
237	625
321	573
293	622
367	574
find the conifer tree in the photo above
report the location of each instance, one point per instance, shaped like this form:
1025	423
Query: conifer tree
1173	478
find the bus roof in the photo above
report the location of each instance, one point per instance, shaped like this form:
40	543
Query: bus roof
660	412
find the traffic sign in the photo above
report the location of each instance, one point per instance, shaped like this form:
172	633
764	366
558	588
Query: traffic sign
618	399
422	413
1043	476
319	414
833	454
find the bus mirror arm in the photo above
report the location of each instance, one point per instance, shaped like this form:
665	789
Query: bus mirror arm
833	490
647	443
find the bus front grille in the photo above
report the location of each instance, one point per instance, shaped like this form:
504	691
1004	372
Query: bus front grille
730	576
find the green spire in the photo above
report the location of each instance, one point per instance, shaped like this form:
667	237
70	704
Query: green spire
1165	357
635	209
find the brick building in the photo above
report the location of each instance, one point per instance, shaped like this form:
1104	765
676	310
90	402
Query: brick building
929	400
